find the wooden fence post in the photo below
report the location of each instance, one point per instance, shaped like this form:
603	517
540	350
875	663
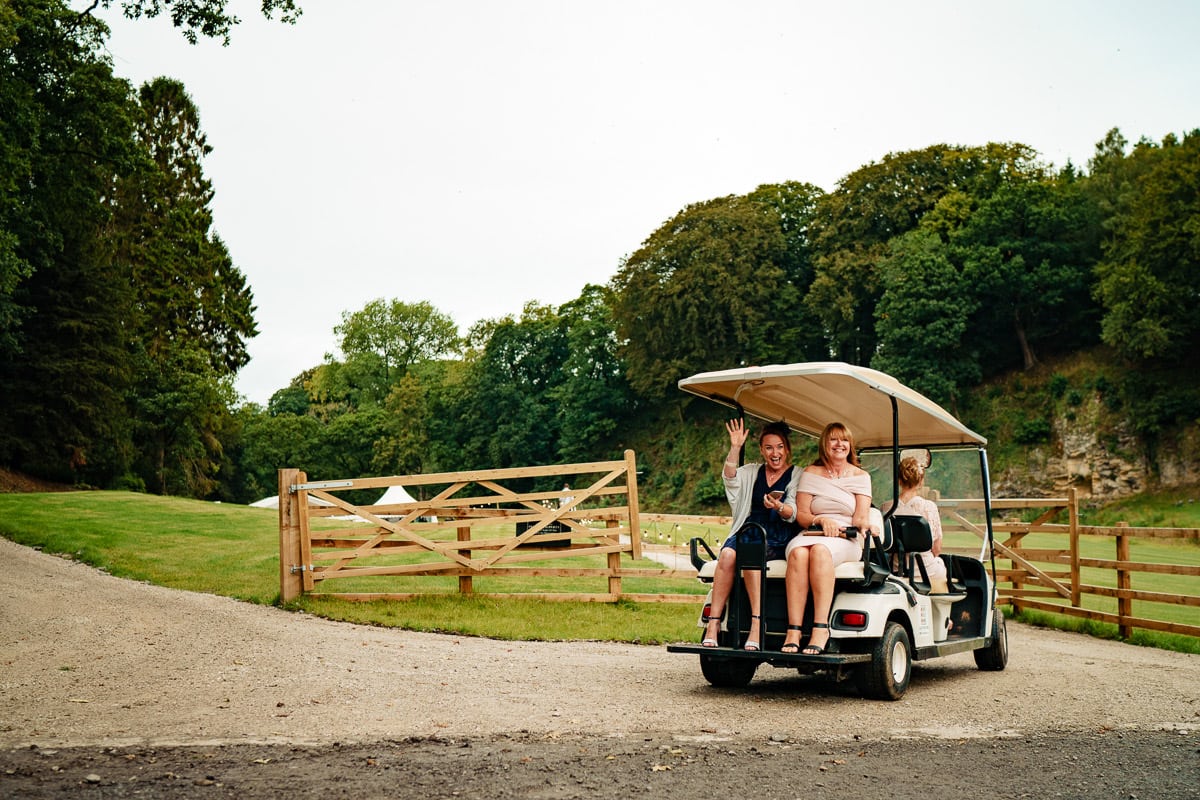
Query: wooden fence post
1124	584
291	582
635	524
1073	525
1017	572
466	584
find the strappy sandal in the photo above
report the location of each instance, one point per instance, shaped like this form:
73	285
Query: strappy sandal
795	646
751	644
813	649
709	642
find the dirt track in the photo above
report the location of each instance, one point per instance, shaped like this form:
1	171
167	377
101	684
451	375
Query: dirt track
129	690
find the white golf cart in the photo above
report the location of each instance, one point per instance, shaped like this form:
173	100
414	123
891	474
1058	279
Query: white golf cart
884	614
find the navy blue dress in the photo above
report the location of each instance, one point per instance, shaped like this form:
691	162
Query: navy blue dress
779	531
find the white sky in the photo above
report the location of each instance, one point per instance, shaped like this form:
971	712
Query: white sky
479	154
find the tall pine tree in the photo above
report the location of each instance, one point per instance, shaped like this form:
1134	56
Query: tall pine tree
193	311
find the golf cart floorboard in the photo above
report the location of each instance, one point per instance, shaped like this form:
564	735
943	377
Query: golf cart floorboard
948	647
772	656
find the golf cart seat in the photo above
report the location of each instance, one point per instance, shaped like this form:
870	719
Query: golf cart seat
874	551
913	536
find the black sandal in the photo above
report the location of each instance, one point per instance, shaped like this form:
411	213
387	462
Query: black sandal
813	649
794	645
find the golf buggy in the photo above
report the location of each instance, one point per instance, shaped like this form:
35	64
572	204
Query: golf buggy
885	613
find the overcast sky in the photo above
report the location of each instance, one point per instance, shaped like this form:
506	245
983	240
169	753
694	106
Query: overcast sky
479	154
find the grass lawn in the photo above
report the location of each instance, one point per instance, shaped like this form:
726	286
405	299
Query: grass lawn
233	550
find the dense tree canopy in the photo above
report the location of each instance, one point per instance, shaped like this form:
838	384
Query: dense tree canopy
852	225
384	338
66	132
720	283
1148	273
122	316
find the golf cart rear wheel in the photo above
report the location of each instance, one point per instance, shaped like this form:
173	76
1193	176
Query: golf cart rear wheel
887	676
994	657
727	673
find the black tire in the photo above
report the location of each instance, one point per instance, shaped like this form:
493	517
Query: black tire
727	673
887	676
994	657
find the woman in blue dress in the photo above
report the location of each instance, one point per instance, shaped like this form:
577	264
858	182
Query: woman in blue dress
757	493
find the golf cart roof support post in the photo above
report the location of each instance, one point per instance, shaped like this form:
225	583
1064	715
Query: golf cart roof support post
895	455
987	515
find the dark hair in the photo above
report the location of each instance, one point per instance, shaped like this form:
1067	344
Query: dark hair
779	429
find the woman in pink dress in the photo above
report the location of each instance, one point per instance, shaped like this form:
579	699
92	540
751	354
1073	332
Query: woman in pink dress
912	479
833	493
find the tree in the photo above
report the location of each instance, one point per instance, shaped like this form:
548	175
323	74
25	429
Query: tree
188	285
715	286
383	339
196	18
404	447
510	418
593	398
273	442
65	135
1028	253
923	316
179	407
853	224
193	311
1151	253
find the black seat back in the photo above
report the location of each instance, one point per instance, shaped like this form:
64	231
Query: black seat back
911	535
752	546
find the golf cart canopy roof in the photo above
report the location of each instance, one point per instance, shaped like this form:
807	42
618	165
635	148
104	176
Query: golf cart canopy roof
810	396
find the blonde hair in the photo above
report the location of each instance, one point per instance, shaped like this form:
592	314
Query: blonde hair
911	473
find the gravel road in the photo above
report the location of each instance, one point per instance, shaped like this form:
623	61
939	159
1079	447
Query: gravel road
125	689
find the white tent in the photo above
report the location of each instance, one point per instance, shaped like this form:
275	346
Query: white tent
273	502
395	494
398	494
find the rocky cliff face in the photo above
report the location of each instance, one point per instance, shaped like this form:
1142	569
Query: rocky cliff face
1103	459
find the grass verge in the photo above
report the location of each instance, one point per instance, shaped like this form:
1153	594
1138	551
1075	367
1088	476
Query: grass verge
233	550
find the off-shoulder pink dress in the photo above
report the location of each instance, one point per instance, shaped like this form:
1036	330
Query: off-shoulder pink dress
836	498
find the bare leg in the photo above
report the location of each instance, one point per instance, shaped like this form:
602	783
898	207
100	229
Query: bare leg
820	576
751	578
722	584
797	591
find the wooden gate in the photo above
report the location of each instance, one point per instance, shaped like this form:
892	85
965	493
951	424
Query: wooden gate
473	524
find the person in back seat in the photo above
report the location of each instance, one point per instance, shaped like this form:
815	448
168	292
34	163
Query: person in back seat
912	478
756	493
833	493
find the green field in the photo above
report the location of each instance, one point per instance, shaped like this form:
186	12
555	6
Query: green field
234	551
